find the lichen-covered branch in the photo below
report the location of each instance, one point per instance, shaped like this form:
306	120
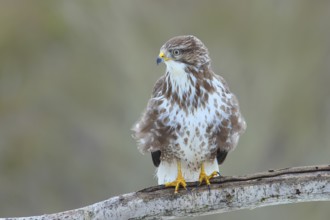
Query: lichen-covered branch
291	185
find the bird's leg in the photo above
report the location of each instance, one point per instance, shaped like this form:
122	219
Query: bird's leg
204	177
180	181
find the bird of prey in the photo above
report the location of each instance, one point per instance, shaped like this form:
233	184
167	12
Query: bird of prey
192	120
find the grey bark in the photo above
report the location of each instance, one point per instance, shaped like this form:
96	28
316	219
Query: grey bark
274	187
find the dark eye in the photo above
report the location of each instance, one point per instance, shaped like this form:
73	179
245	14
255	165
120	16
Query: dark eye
176	52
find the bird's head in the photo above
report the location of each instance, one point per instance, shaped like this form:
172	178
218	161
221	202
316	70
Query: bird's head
185	49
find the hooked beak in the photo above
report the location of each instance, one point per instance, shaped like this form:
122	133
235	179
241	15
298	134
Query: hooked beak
161	58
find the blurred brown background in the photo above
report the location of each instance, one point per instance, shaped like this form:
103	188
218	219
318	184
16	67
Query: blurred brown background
75	75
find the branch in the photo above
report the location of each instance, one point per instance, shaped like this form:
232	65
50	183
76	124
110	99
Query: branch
290	185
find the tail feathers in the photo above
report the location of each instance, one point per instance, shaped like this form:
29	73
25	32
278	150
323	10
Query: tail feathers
221	156
167	171
156	157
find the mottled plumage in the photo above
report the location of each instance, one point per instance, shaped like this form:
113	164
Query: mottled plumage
192	117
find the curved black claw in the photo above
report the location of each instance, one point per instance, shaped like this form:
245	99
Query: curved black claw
197	185
209	187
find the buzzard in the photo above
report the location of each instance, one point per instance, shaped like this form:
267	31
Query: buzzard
192	120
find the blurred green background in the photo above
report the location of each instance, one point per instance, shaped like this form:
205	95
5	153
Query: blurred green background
75	75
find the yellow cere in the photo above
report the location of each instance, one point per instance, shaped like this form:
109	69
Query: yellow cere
162	55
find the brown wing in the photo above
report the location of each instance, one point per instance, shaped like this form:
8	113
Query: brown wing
158	87
229	129
150	132
166	130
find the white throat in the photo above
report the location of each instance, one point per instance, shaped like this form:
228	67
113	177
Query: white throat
178	76
176	69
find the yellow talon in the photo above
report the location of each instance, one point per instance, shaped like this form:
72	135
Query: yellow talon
180	181
204	177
